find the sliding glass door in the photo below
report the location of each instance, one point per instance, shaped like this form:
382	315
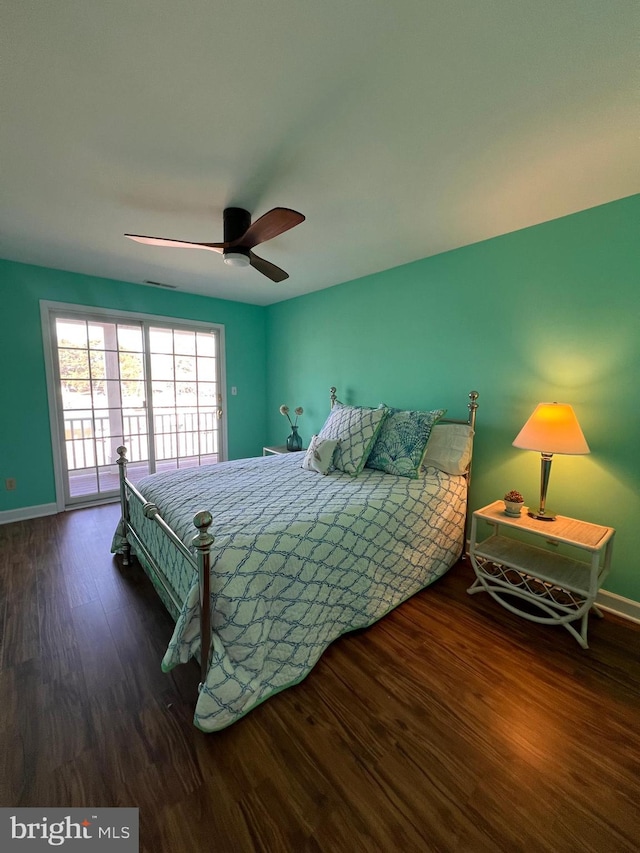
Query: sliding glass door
153	387
186	397
101	384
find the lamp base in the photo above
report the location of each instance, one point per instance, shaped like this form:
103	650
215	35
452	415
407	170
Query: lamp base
542	516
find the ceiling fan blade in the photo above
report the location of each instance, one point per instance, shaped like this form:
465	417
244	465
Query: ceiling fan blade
273	223
175	244
267	268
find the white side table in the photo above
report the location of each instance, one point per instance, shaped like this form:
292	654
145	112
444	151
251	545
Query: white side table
562	587
278	448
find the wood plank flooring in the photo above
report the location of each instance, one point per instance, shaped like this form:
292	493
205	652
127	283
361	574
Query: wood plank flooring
450	725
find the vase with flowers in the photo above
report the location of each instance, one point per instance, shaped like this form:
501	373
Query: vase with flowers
294	442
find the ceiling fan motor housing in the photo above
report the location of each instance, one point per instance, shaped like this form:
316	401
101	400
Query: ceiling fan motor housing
236	222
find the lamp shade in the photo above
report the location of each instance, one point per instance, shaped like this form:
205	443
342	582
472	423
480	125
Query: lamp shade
552	428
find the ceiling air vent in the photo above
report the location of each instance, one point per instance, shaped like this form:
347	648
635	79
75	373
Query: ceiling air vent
162	284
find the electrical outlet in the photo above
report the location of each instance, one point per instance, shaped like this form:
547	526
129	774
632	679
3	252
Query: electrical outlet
10	484
234	390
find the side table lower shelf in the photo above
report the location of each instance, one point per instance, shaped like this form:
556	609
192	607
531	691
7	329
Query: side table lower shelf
561	604
555	584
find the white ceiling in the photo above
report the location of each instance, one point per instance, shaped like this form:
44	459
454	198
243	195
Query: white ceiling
400	128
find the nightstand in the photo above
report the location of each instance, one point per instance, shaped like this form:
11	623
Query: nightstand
279	448
514	568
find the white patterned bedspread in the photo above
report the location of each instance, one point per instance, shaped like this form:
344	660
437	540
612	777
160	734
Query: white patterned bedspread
300	559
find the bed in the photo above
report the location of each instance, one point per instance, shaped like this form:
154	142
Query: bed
287	558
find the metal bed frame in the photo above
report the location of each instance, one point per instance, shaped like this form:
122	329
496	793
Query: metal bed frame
203	541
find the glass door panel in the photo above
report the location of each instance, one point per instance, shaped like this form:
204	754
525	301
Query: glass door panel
96	382
186	400
154	389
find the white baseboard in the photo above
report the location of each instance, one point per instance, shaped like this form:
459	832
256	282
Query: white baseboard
27	512
624	607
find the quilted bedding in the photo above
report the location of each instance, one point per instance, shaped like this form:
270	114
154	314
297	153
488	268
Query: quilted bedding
298	560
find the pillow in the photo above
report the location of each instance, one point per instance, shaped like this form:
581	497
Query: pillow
355	429
319	455
402	440
449	448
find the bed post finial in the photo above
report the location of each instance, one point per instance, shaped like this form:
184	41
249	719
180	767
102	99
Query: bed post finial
332	395
202	543
124	504
472	406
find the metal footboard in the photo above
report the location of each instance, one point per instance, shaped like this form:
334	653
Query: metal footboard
201	562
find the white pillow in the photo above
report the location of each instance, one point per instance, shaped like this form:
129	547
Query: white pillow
319	455
449	448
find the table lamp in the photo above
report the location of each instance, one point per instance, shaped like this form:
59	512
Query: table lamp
552	428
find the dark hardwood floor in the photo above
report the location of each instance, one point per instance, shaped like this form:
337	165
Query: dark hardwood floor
451	725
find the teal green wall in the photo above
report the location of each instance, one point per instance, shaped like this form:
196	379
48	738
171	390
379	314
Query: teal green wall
547	313
25	443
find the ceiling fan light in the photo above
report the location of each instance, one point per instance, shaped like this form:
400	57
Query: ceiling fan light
237	259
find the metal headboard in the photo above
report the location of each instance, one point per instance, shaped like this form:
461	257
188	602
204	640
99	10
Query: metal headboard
470	421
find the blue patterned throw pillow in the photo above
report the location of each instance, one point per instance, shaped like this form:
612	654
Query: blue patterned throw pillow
402	441
355	429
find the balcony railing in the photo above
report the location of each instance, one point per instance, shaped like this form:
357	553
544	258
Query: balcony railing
91	443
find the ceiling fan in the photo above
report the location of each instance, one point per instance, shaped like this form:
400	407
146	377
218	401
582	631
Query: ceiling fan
240	236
